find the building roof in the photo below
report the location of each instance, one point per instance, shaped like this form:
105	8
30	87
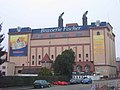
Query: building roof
68	28
30	71
46	58
72	24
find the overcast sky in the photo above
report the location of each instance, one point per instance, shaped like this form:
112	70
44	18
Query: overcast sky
44	14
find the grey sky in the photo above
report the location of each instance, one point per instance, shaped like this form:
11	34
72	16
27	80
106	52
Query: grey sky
44	13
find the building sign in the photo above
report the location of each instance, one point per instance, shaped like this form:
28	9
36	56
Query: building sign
18	45
58	29
74	28
98	41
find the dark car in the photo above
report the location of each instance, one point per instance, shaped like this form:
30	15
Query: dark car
86	81
75	81
41	84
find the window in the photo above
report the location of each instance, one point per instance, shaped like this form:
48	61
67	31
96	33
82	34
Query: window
64	35
87	68
3	73
78	34
98	33
41	36
52	56
86	55
52	36
108	34
39	56
3	67
32	56
79	55
19	71
32	62
79	68
38	62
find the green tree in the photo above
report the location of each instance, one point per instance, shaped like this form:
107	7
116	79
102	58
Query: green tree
1	47
63	64
44	72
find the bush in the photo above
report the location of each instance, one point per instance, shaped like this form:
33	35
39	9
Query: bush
12	81
44	72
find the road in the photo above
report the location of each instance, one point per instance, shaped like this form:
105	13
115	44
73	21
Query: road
68	87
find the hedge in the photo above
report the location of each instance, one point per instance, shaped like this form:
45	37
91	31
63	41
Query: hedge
14	81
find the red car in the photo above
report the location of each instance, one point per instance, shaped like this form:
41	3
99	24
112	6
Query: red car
60	83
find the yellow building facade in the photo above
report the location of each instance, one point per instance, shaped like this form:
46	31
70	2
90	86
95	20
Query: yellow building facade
94	46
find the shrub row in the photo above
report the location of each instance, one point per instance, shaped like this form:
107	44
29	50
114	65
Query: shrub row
14	81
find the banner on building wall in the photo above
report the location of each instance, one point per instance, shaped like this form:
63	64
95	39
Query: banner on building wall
98	41
18	45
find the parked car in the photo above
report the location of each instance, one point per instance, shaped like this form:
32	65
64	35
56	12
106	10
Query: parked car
75	81
41	84
60	83
86	81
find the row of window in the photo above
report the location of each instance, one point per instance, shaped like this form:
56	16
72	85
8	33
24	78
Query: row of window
54	36
34	62
87	68
63	35
52	56
39	62
80	55
39	56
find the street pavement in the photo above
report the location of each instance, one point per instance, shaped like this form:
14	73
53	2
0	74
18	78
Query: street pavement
67	87
106	84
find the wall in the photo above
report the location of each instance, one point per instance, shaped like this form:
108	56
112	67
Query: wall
8	68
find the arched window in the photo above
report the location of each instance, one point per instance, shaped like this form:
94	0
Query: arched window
39	57
52	56
87	68
32	56
98	33
79	68
19	71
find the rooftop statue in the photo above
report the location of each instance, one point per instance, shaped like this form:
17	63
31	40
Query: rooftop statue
84	15
60	20
85	18
60	17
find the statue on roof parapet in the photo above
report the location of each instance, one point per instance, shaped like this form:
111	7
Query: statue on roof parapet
85	18
60	20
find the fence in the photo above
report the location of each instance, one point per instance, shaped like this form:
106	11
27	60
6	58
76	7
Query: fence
113	84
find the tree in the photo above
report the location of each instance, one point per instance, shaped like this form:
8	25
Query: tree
63	64
1	48
44	72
